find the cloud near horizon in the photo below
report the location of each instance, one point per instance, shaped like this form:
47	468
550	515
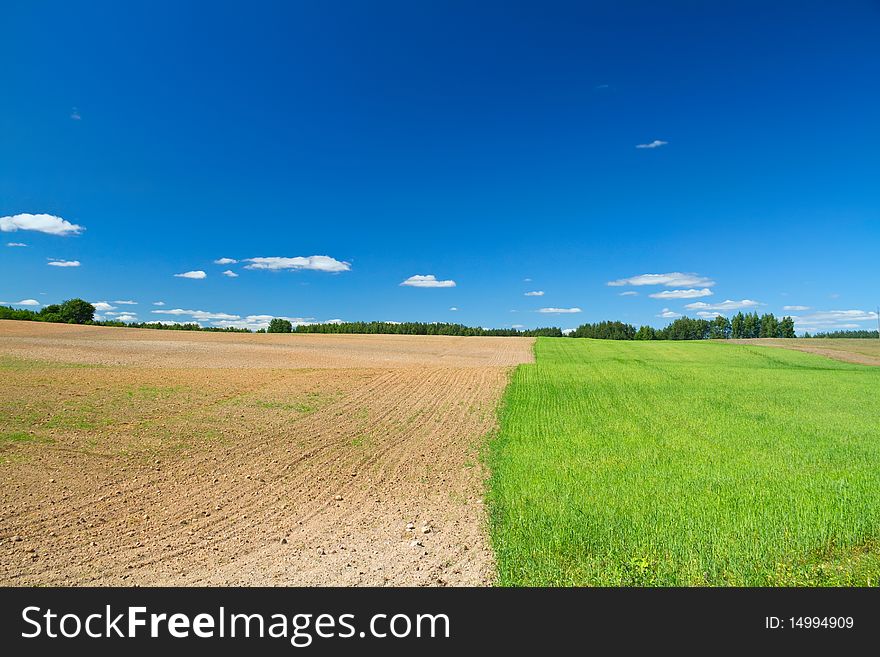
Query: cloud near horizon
671	279
831	320
198	274
41	223
666	313
23	302
426	280
314	263
724	305
560	311
692	293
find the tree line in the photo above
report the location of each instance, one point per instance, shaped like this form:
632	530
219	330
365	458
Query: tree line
278	325
741	326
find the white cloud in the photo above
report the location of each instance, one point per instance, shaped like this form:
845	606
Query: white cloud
657	143
527	280
428	280
692	293
257	322
724	305
333	321
824	320
671	279
629	293
197	274
102	306
225	261
158	303
796	308
42	223
230	273
666	313
15	244
23	302
198	314
517	326
559	311
54	262
708	315
126	303
315	262
566	331
536	293
453	308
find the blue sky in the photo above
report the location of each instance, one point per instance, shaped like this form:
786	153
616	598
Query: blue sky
493	145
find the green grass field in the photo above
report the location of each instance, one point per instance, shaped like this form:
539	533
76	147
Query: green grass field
686	463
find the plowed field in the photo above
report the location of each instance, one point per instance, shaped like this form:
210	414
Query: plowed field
137	457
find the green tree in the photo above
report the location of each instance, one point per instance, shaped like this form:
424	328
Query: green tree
279	325
720	329
646	333
76	311
786	328
769	326
737	326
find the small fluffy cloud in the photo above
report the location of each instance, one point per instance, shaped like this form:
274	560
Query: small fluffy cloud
666	313
225	261
126	317
427	280
315	263
126	303
54	262
229	273
102	306
692	293
629	293
559	311
453	308
796	308
671	279
197	274
41	223
536	293
657	143
19	244
158	303
724	305
708	315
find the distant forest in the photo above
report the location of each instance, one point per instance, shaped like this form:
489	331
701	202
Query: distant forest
740	326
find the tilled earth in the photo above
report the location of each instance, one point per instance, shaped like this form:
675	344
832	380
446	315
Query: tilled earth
148	474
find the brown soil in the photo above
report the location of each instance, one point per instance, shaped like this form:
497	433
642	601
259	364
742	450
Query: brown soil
154	348
853	350
213	475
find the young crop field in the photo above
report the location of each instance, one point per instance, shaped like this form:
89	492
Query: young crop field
699	463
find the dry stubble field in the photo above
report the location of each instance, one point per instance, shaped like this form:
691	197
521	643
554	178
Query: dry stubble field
143	457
